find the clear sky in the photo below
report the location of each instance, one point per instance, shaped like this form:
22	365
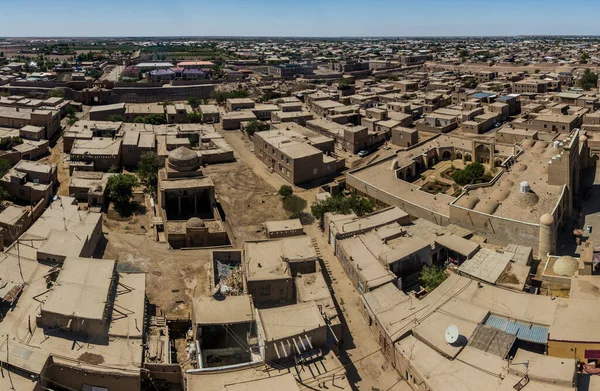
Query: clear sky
38	18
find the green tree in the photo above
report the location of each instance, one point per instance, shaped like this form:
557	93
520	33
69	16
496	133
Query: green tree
5	166
194	102
148	171
469	175
589	80
120	188
194	118
116	118
286	190
255	126
584	57
7	143
151	119
294	205
342	205
432	276
56	93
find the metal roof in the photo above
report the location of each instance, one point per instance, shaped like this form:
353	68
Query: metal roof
522	330
481	95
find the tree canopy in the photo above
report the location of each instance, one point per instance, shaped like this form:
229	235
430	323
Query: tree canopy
469	175
255	126
589	80
148	171
152	119
294	205
342	205
432	276
194	102
222	96
120	188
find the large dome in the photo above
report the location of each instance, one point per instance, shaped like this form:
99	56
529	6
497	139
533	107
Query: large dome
183	159
566	266
195	222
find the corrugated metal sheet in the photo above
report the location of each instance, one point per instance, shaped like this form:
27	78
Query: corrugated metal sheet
522	330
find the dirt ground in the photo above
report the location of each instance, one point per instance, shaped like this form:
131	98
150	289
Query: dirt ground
173	277
248	201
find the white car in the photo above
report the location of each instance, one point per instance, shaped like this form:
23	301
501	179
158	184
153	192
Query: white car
363	153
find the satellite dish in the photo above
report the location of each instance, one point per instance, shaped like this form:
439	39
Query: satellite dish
452	334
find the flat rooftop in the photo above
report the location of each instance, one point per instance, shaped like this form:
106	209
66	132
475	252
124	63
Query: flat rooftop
228	310
266	260
290	321
82	288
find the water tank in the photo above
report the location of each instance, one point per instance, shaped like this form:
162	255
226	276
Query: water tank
524	187
556	144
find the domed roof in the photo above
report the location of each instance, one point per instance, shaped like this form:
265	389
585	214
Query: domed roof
583	138
547	219
182	155
468	201
565	266
195	222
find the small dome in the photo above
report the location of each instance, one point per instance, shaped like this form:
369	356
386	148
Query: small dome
468	202
500	194
547	219
525	200
583	138
520	167
182	155
195	222
487	207
565	266
528	143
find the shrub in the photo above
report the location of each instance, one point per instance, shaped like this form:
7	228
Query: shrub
432	276
294	205
286	190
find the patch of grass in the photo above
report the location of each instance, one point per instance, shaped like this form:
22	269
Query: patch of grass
91	358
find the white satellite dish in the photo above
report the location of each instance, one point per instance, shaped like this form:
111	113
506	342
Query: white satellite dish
452	334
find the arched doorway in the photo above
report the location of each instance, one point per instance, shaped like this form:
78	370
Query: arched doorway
482	154
468	157
446	155
400	175
409	174
497	162
459	155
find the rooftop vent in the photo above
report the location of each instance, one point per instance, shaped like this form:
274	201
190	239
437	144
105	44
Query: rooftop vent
524	187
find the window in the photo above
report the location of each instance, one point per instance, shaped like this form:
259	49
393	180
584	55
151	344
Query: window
129	150
265	290
315	171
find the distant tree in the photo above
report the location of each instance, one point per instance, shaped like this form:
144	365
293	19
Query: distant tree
342	205
116	118
120	188
432	276
148	171
255	126
194	118
5	166
56	93
194	102
286	190
151	119
589	80
537	71
584	57
7	143
294	205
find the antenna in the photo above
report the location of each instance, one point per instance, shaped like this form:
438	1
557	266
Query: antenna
452	334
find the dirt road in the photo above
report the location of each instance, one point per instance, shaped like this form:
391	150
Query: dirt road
372	372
